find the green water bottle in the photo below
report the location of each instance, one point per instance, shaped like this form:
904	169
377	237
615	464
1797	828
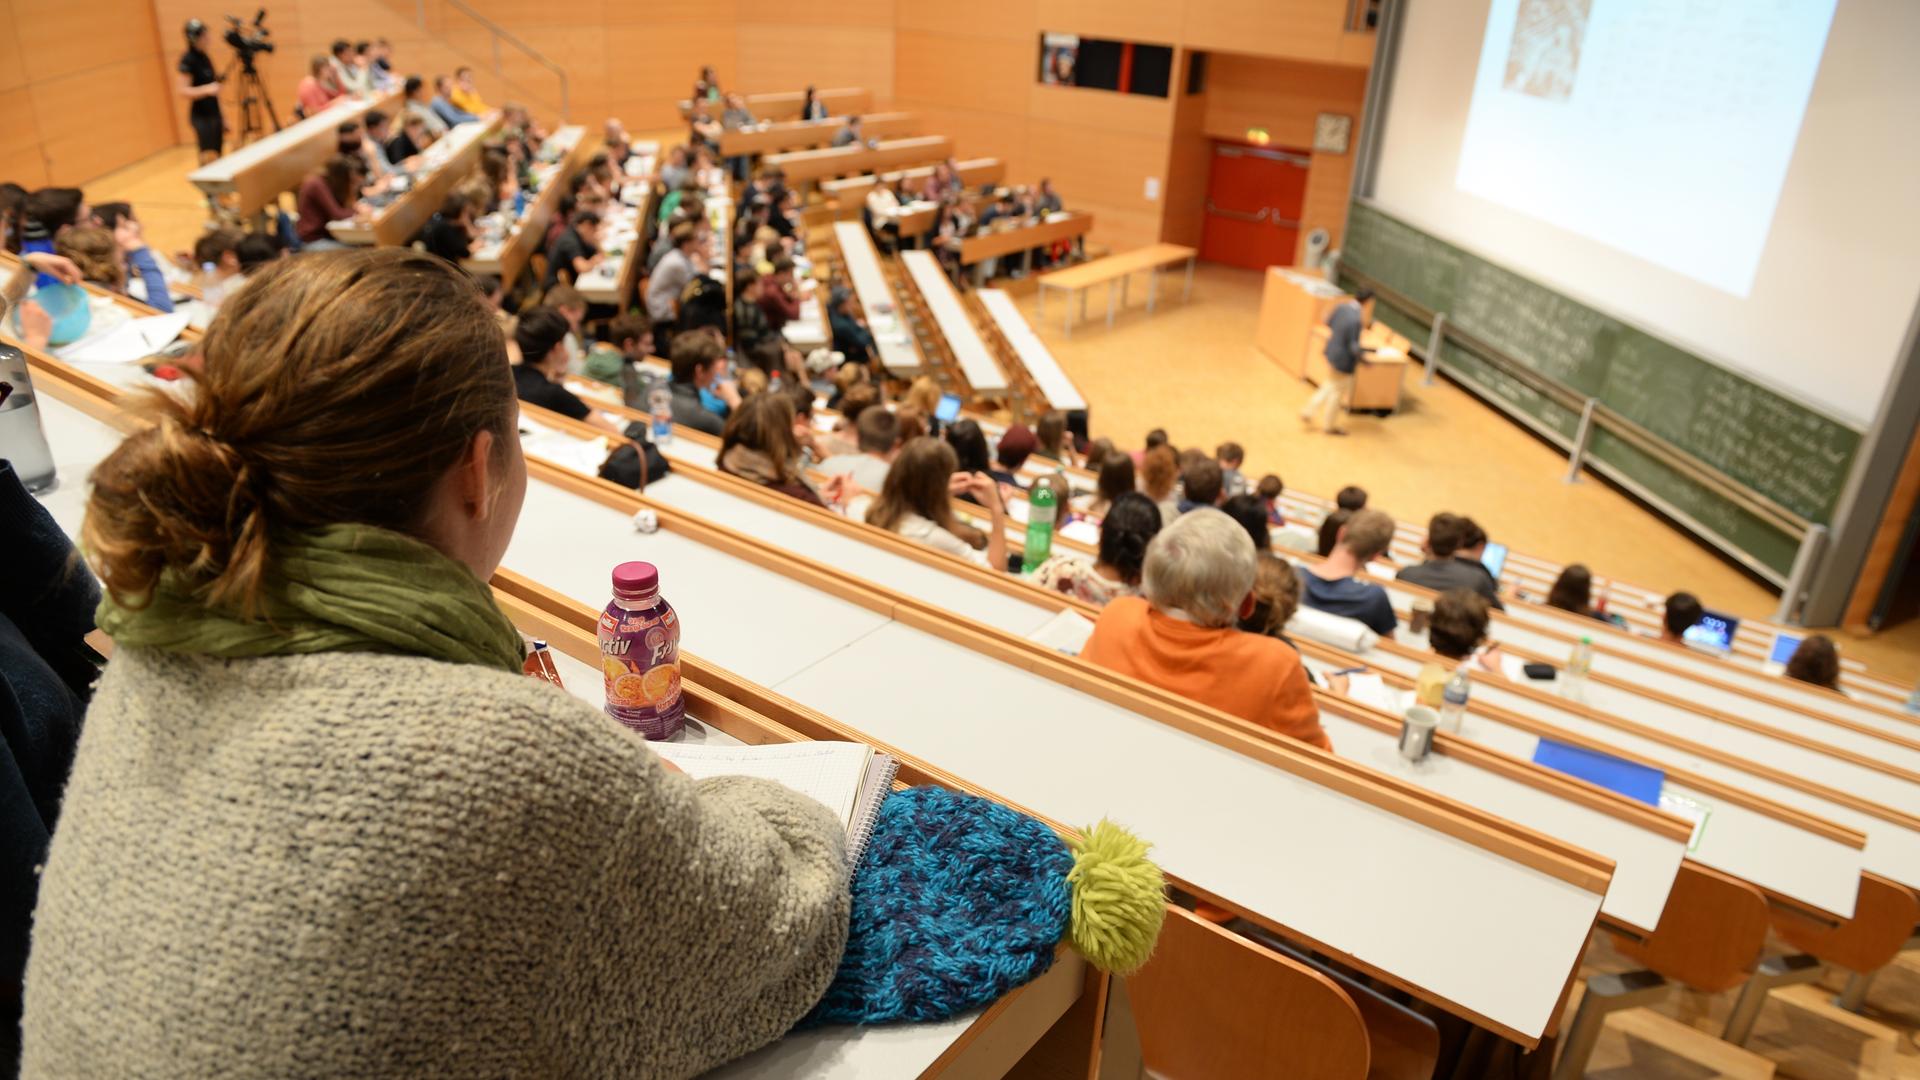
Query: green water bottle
1040	510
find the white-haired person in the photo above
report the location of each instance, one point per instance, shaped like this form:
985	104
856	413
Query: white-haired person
1182	635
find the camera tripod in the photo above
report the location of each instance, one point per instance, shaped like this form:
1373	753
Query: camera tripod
255	103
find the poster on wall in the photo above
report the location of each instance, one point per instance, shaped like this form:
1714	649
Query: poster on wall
1058	54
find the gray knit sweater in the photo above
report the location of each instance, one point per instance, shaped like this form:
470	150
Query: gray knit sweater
357	866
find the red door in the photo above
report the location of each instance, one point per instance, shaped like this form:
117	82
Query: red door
1254	195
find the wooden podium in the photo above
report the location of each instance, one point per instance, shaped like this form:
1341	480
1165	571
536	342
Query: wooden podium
1293	331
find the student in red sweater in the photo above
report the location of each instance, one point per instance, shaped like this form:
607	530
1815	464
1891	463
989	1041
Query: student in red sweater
1182	636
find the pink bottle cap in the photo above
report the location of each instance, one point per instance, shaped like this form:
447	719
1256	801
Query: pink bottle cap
635	578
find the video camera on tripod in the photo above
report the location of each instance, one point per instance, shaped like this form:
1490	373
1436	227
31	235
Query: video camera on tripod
248	39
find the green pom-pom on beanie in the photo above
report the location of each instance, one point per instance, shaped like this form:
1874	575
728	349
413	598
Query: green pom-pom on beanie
1119	899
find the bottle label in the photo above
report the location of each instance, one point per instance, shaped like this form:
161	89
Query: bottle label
640	658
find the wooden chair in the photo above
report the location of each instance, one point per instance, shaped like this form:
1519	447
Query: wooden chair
1212	1005
1402	1044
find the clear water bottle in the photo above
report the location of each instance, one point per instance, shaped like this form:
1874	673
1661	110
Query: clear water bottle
23	440
1573	685
1040	514
660	407
1453	700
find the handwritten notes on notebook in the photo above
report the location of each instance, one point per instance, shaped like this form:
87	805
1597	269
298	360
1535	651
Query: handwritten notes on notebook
850	779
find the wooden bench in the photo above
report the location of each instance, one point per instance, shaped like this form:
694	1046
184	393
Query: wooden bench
962	339
785	104
785	135
851	192
259	172
1051	229
1112	271
803	165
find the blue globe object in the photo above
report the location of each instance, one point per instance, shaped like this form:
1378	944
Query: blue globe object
67	306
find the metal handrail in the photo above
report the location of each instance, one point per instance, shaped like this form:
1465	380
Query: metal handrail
499	33
1674	457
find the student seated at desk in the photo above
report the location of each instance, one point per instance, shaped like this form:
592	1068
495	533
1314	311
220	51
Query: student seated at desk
1252	516
699	367
878	440
449	233
1183	635
128	238
1115	478
760	443
379	135
403	150
917	502
1816	661
883	205
1443	569
576	252
1683	610
1159	480
464	96
329	193
585	884
1015	447
1269	489
780	294
442	104
1458	628
851	338
420	102
1129	525
1573	591
811	107
849	133
539	377
1276	596
667	279
318	89
625	342
1332	587
1200	484
1053	443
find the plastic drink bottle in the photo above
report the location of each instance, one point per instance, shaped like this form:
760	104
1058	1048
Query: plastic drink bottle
660	407
1040	512
1453	701
1574	683
640	654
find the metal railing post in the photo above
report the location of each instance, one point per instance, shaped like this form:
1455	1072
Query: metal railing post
1804	561
1578	456
1436	338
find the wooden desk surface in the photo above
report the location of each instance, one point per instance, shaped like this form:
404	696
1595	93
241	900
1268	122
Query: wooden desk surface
983	374
898	352
974	172
1034	355
799	134
840	160
1114	266
263	169
449	160
1049	230
785	104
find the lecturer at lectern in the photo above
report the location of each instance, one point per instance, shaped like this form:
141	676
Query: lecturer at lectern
1344	353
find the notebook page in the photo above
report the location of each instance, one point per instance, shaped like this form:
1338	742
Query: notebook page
831	773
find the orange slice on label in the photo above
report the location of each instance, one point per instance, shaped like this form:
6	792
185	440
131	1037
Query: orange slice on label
661	684
628	690
612	668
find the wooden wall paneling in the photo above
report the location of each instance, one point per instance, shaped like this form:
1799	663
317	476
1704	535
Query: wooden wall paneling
986	74
1189	157
20	147
60	38
1148	21
981	18
100	120
981	134
1298	29
13	68
656	12
1878	565
646	74
1104	172
872	13
773	57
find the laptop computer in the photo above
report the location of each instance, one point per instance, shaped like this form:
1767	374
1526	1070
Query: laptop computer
1713	632
1784	646
1494	558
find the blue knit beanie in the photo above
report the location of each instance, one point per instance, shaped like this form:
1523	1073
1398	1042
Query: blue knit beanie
959	899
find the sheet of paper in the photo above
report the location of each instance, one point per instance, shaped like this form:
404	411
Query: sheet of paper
1369	689
128	342
1066	632
828	772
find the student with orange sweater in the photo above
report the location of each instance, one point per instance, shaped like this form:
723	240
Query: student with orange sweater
1198	580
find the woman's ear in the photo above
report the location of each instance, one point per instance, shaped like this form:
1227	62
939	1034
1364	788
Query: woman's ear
478	486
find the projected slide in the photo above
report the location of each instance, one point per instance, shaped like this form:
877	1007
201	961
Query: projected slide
1662	128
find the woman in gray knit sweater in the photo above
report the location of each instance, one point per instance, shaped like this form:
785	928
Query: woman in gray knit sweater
319	824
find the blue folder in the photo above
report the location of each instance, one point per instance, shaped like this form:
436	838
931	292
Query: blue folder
1633	780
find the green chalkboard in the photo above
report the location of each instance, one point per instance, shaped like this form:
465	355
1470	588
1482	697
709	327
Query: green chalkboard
1767	443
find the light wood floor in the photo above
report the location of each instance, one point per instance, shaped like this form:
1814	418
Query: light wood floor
1193	370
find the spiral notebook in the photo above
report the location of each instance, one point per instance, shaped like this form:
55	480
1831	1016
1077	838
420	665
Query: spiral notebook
850	779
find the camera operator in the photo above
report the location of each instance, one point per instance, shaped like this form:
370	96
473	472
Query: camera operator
199	83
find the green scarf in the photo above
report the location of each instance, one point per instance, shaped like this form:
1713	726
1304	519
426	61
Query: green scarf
341	588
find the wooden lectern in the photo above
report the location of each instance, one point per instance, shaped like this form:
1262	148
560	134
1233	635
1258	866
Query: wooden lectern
1293	332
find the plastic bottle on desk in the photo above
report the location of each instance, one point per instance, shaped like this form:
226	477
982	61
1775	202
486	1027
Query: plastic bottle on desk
1573	684
1453	700
640	654
660	408
1040	513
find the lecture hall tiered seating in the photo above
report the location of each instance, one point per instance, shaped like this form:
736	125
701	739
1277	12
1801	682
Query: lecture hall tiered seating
1542	838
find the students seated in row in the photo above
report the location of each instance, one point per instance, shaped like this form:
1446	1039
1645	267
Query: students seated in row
1183	636
420	102
540	376
330	193
1231	455
320	86
1458	628
699	370
1332	587
404	149
969	442
442	104
1015	447
917	502
1252	516
1276	596
324	871
811	107
576	252
878	440
348	74
1159	479
624	342
884	203
1129	525
849	133
1052	441
1444	569
850	335
1683	611
1573	591
1114	479
670	276
760	443
1473	552
1817	662
780	294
